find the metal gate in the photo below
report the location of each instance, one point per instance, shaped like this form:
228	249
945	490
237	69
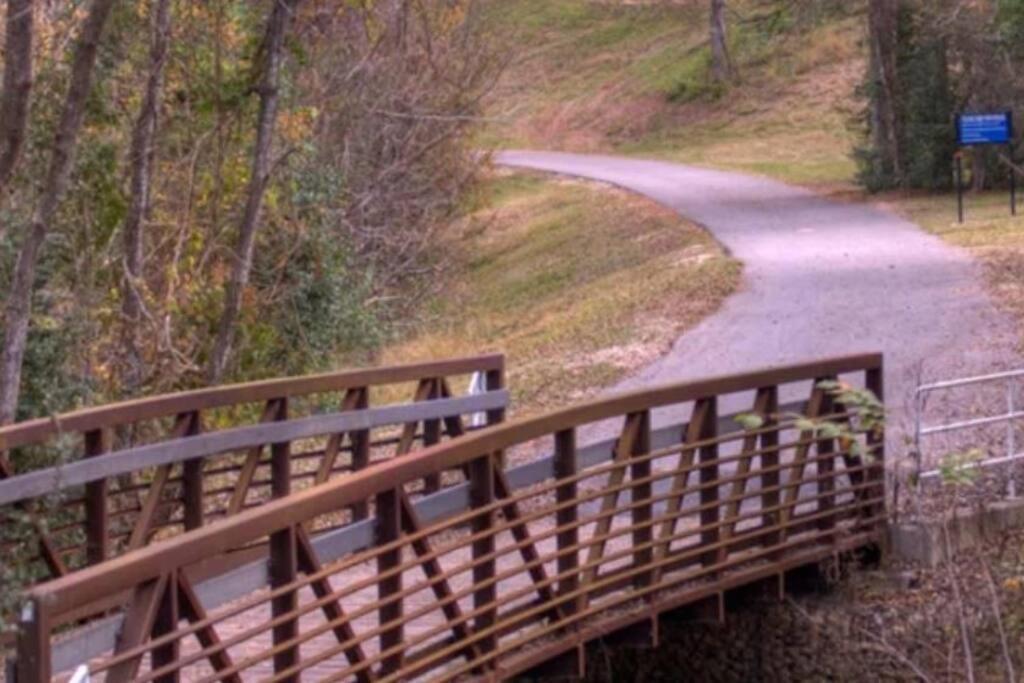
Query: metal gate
1009	381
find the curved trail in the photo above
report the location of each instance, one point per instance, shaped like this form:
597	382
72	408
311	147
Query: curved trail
821	278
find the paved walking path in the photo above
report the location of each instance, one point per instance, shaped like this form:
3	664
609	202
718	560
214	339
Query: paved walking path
821	278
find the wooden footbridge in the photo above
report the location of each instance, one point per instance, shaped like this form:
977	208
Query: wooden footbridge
358	544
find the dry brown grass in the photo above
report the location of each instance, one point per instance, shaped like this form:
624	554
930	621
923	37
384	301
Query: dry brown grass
578	284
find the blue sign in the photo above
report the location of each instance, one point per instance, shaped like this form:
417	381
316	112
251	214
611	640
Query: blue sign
984	129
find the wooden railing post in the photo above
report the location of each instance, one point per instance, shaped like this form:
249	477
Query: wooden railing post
283	570
481	494
360	441
826	470
97	517
432	436
192	477
283	552
167	619
708	457
565	466
280	458
494	380
642	514
771	476
875	383
34	663
389	528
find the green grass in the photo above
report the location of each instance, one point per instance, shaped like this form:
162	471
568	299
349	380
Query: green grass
633	79
987	224
578	284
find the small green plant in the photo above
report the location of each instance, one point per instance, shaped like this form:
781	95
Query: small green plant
749	421
866	416
961	468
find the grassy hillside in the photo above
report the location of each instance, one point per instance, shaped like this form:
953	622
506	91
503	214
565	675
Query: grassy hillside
632	78
577	283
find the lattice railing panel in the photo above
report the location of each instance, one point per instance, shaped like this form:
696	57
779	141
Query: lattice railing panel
115	513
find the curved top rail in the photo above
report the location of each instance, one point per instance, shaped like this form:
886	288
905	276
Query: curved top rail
116	414
40	482
92	584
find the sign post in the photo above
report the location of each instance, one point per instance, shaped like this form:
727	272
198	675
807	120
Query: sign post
1013	185
977	130
958	178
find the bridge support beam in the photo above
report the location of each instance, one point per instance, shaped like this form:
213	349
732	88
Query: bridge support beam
769	589
806	579
570	666
709	610
639	636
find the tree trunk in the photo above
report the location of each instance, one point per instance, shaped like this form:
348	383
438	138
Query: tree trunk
883	26
17	87
721	64
19	302
140	159
273	44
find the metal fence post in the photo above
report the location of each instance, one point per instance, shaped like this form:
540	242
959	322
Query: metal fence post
1011	447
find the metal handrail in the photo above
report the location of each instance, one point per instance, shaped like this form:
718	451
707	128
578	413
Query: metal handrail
1009	417
40	482
976	379
168	405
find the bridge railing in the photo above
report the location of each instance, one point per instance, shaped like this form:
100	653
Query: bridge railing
148	469
580	535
